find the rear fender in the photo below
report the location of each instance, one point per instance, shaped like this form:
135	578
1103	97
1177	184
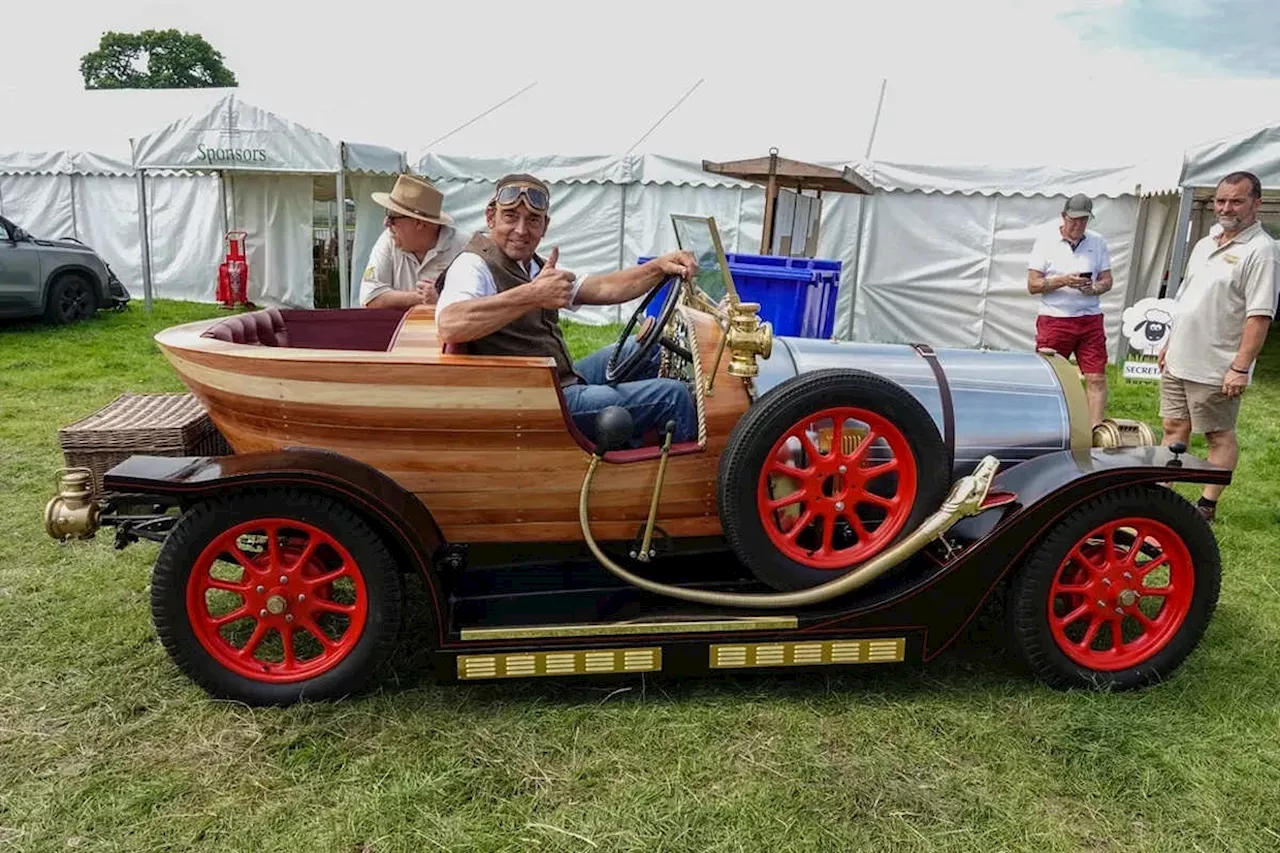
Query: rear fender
405	523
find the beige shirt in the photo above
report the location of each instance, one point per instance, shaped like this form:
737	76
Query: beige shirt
390	268
1223	285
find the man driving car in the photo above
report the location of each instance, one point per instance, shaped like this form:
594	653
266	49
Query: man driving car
499	297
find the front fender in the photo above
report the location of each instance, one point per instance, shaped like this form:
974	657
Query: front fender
396	513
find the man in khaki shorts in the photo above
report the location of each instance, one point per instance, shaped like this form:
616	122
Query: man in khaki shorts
1225	307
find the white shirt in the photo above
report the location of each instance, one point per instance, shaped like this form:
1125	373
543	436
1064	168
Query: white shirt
1223	285
390	268
470	278
1052	255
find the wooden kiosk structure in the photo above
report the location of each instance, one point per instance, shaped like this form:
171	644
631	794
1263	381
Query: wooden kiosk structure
791	177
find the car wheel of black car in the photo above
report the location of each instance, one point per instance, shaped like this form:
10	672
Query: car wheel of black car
824	472
276	596
1118	593
71	299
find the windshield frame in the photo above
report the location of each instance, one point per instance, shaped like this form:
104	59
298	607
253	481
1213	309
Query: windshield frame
697	293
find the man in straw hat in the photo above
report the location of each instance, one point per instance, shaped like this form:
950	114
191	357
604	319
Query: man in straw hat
499	297
417	243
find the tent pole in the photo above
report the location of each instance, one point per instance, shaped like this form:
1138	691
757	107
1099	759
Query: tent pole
1183	226
1135	274
343	273
146	238
622	236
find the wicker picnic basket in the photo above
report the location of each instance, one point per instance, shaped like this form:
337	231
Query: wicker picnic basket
140	424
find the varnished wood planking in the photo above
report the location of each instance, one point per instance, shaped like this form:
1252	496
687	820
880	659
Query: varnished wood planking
487	473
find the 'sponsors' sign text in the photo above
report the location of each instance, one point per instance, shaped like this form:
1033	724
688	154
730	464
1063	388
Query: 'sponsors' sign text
230	155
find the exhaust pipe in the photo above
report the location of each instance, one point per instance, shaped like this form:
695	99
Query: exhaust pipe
73	511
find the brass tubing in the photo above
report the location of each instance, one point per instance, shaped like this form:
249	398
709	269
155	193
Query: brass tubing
643	556
965	499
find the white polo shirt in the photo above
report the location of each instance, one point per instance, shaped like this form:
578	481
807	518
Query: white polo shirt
1223	285
470	278
1052	255
390	268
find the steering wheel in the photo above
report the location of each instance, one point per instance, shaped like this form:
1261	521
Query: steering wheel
623	369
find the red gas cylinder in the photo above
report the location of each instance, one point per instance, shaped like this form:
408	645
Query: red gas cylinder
233	274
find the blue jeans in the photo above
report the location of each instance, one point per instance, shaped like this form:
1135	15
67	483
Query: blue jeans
651	401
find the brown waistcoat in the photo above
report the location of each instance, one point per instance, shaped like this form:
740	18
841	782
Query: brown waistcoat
535	332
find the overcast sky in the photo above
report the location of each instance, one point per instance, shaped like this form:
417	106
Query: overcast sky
973	79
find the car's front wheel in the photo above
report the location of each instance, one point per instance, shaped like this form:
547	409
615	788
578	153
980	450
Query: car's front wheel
1118	593
71	299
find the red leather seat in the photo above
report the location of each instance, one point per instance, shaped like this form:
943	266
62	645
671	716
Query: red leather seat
261	328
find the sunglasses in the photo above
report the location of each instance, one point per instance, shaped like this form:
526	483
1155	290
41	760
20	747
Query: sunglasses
537	199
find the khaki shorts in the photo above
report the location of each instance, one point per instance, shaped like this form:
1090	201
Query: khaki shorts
1208	409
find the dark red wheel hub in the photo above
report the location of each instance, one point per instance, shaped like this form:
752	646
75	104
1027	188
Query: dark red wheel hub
1121	594
837	487
277	600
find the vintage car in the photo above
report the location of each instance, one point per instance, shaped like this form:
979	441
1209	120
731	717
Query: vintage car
842	504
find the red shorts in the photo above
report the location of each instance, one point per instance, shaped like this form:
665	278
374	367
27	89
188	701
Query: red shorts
1084	337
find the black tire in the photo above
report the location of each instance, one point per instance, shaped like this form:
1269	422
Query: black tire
200	528
1039	647
71	298
768	422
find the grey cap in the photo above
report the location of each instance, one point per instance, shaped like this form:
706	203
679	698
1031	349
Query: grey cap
1079	206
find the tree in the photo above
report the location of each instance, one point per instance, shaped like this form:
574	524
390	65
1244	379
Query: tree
172	60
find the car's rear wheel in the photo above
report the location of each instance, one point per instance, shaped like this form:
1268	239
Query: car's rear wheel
1118	593
276	596
71	299
826	471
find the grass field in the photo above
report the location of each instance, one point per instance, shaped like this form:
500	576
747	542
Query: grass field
104	746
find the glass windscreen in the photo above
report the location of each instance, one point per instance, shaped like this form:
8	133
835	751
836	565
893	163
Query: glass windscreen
698	234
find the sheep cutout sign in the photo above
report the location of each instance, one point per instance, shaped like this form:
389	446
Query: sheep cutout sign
1147	324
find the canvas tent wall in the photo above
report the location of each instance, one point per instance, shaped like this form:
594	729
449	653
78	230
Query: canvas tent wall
268	169
943	251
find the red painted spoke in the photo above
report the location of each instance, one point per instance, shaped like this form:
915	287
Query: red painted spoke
1135	550
858	526
327	577
244	560
777	469
837	437
286	640
1074	615
1066	586
1143	620
810	449
259	632
1117	633
307	553
332	606
1109	544
794	497
880	470
1083	558
228	586
309	625
1147	568
860	452
273	548
801	523
878	500
828	533
238	613
1090	634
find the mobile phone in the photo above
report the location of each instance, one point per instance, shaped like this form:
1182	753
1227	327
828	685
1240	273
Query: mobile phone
1087	275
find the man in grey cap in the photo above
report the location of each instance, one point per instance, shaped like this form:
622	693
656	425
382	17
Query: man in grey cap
1069	268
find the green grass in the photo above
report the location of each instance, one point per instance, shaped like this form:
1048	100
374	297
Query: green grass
105	746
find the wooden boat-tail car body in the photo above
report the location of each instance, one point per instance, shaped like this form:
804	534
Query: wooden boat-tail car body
842	503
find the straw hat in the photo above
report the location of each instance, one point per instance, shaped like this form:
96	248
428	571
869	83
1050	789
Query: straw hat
416	197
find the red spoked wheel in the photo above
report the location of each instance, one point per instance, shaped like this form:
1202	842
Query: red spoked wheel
837	487
825	471
277	600
276	596
1118	593
1121	594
